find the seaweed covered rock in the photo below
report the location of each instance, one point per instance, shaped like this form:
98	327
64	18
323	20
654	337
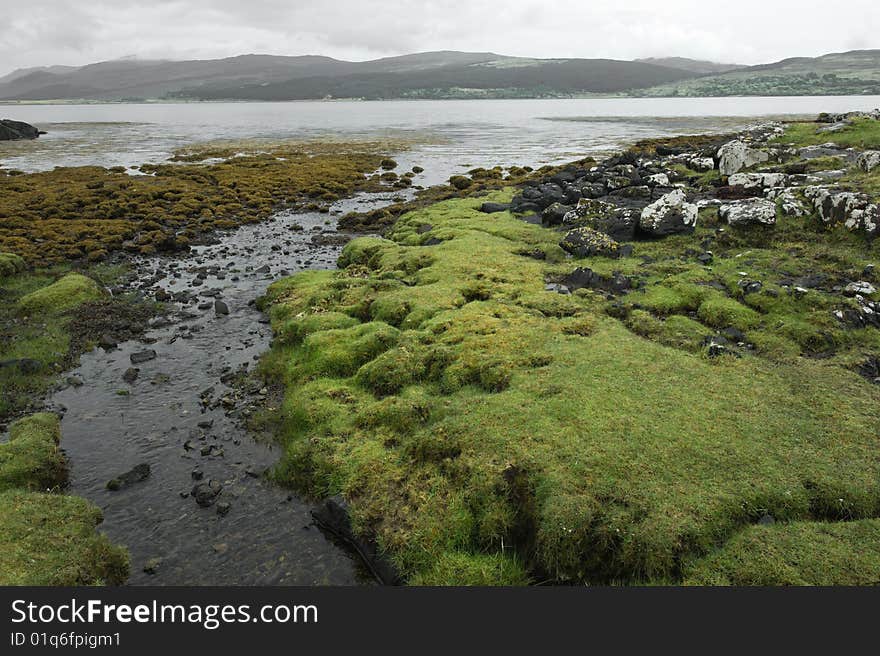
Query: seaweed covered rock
748	211
585	242
669	215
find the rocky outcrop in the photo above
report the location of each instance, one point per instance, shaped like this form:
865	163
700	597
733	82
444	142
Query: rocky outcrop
669	215
848	208
750	211
619	223
15	130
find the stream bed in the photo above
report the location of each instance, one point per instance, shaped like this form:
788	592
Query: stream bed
181	417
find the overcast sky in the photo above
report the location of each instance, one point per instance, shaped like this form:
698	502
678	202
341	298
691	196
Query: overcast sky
75	32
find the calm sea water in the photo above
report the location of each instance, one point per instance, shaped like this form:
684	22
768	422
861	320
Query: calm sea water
449	135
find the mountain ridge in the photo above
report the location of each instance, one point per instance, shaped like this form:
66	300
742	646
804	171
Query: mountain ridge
437	74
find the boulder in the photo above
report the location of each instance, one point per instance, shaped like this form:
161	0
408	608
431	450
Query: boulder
14	130
750	211
669	215
737	155
586	242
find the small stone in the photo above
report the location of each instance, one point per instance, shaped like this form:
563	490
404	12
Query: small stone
223	508
137	474
143	356
131	374
107	342
220	307
152	566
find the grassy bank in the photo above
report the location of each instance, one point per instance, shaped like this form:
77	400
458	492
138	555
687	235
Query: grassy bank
486	430
46	537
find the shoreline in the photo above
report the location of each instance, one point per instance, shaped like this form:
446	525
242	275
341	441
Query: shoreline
396	389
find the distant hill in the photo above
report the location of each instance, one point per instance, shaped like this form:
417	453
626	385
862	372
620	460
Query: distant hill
693	65
848	73
444	74
267	77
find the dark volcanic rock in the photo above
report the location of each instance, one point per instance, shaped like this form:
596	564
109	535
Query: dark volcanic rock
14	130
206	493
492	208
583	277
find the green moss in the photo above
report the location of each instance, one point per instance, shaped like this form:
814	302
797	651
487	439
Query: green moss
677	331
798	553
70	291
31	458
50	540
721	312
496	418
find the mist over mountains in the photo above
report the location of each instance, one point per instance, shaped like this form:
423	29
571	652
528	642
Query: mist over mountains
444	74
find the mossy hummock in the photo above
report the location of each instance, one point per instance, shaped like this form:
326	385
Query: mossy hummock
487	429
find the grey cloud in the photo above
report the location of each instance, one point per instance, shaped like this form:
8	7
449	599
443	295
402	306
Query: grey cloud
748	31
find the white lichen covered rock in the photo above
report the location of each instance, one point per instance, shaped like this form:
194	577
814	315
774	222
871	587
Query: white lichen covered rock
668	215
701	163
787	201
659	180
735	156
757	180
853	210
749	211
869	160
